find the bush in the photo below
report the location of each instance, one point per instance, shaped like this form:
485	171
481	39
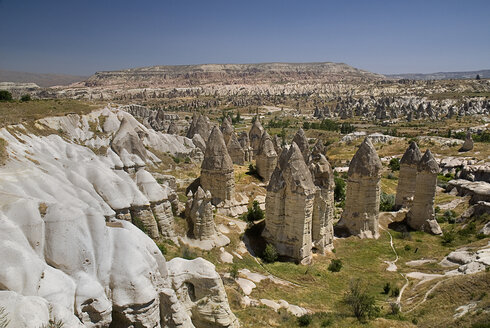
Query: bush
162	248
5	95
394	164
304	320
391	176
339	191
395	308
448	237
252	170
386	202
25	97
188	254
362	304
387	288
468	230
335	265
270	253
408	248
254	213
234	271
395	291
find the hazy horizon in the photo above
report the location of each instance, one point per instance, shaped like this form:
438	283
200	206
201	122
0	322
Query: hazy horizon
60	37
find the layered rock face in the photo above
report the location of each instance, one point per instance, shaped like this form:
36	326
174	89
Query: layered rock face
468	143
200	125
255	135
360	216
408	174
217	174
421	215
199	215
324	206
302	142
235	150
65	253
289	207
245	143
266	158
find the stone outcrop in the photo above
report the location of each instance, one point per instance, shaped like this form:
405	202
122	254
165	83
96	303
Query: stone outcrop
302	142
200	125
421	214
408	174
324	206
468	143
227	129
360	216
277	145
199	215
255	135
128	141
245	143
173	128
266	158
217	174
289	207
235	150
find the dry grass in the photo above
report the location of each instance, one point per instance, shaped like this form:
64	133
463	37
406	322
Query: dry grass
3	151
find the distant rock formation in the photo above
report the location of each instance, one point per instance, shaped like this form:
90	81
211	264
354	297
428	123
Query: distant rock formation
289	207
277	145
245	143
360	216
200	125
324	207
217	173
468	143
235	150
173	128
302	142
199	215
421	214
266	158
199	142
128	141
255	135
227	129
408	174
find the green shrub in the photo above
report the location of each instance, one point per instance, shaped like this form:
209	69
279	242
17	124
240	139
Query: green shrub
394	164
234	271
254	213
468	230
270	253
386	202
176	160
360	302
448	237
408	247
187	160
5	95
395	308
387	288
139	224
304	320
188	254
339	191
25	98
335	265
395	291
162	248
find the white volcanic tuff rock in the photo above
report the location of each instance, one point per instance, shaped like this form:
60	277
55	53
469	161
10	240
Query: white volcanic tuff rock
302	142
199	142
254	135
421	214
199	215
200	125
200	290
324	207
468	143
289	206
227	129
245	143
217	174
362	199
235	150
57	245
478	190
408	173
266	158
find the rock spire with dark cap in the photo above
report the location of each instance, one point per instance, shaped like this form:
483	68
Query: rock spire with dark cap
421	215
408	174
362	199
266	158
289	206
255	135
302	142
217	173
200	125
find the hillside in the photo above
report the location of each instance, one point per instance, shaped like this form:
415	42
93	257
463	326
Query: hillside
41	79
193	75
485	73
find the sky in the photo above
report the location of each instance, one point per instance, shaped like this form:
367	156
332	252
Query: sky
82	37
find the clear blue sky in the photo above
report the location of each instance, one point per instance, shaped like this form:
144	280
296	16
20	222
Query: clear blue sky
81	37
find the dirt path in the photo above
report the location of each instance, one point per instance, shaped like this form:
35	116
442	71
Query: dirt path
391	264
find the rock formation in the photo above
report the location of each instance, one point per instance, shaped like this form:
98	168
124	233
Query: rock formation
255	135
199	215
128	142
324	207
227	129
468	143
266	158
235	150
421	214
277	145
173	128
245	143
408	174
200	125
217	173
360	216
289	207
302	142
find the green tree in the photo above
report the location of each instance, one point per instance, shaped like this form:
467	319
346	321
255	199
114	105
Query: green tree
5	95
360	302
26	97
394	164
255	213
270	253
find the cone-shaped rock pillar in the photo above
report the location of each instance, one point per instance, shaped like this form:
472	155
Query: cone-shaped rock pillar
217	173
255	135
302	142
408	174
421	214
266	159
199	215
360	216
289	207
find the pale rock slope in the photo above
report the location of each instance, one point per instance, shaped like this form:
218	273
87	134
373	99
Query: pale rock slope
68	250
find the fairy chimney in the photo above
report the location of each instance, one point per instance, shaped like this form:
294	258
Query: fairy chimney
408	174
